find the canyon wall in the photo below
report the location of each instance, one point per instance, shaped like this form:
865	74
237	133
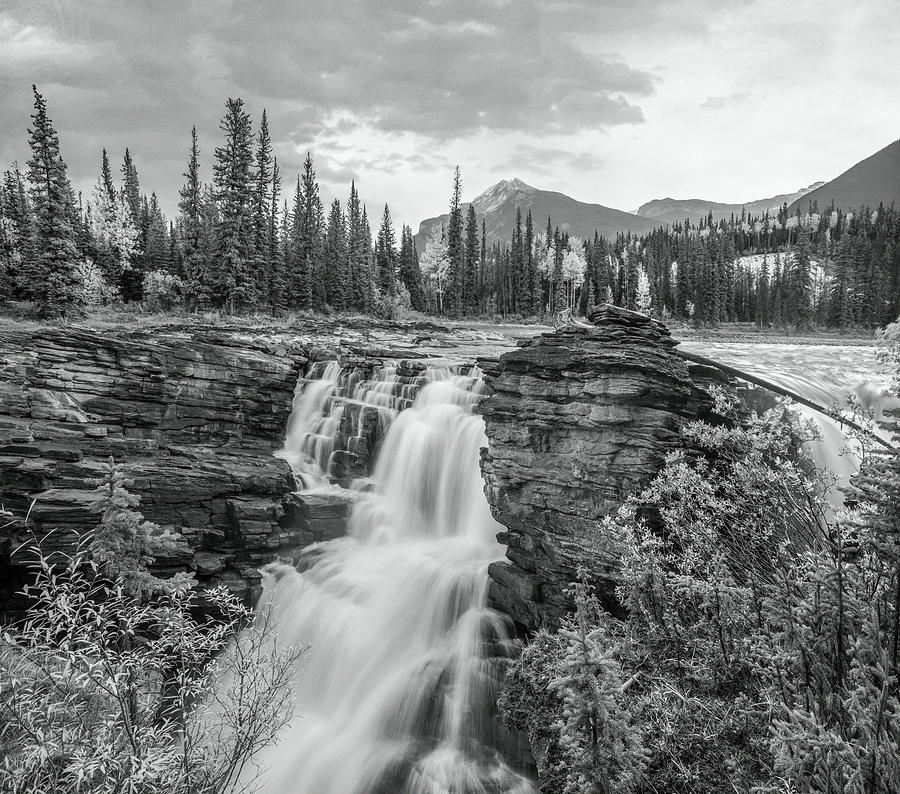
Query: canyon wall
191	414
577	420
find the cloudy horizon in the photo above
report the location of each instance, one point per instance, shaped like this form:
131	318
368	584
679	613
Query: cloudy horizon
615	103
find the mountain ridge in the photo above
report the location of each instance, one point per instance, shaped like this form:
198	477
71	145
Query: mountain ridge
872	180
497	206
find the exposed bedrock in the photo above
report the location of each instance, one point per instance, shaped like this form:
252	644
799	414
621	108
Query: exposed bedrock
191	414
576	421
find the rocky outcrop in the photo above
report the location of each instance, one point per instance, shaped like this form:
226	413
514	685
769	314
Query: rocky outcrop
191	415
576	421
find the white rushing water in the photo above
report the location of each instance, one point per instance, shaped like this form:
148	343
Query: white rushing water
833	376
396	691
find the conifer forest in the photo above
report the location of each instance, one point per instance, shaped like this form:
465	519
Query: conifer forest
249	243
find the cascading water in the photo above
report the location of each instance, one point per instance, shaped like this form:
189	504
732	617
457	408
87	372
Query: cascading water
396	691
830	375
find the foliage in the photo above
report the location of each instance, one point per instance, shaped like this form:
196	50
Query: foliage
113	683
94	290
761	638
123	545
104	692
162	290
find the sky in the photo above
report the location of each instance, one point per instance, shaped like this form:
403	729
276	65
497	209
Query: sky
614	102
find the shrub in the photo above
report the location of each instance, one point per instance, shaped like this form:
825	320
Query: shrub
113	683
162	290
760	648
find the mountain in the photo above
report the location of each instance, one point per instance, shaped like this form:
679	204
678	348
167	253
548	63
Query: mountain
870	181
669	210
497	205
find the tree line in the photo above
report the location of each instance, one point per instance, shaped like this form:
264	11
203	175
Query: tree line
246	243
832	269
237	244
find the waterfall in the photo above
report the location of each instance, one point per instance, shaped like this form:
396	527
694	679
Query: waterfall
396	691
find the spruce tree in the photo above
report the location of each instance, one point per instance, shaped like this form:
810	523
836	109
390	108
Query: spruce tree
455	249
531	295
190	225
232	175
359	298
386	256
275	279
336	256
410	274
15	234
262	207
52	281
470	274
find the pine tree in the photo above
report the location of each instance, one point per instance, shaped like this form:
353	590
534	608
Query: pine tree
336	259
386	256
232	175
308	238
801	281
455	249
276	278
262	207
52	281
410	274
356	246
15	233
470	273
157	255
196	277
530	300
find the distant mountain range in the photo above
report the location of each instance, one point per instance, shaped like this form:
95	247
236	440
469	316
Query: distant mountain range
875	179
669	210
870	181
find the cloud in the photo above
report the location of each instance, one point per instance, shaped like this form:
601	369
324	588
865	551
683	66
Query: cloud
549	160
720	102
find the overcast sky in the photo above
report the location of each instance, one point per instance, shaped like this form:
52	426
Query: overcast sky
611	101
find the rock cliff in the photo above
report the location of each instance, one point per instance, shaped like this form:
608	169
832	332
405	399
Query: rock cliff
192	415
576	421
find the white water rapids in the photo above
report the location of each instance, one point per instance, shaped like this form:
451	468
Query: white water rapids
396	691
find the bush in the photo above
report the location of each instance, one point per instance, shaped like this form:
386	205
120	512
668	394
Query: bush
760	649
162	291
109	685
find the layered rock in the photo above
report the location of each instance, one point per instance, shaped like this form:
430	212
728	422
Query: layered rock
576	421
190	414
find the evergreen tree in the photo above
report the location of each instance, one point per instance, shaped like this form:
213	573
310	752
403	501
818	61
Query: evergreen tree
233	282
15	232
455	249
472	253
276	278
410	273
336	259
52	280
356	245
196	277
262	208
530	300
386	256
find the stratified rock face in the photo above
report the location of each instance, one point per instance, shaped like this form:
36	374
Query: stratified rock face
191	415
576	421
